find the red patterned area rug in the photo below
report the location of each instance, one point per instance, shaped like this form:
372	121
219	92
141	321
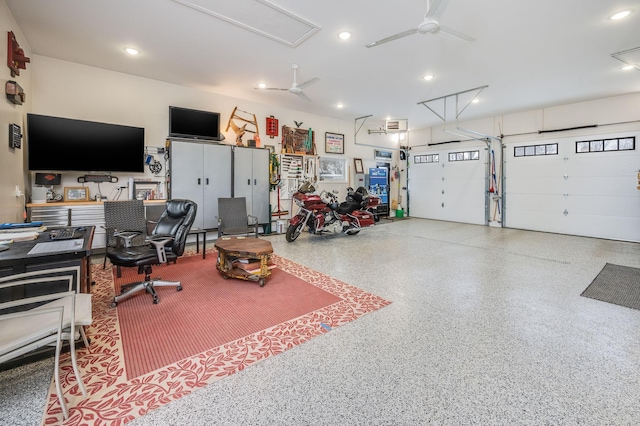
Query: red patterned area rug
143	356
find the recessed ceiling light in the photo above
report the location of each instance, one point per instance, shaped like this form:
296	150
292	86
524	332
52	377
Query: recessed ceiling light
131	51
344	35
428	77
262	85
475	101
620	15
628	67
339	106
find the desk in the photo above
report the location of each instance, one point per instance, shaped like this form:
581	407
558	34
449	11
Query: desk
17	259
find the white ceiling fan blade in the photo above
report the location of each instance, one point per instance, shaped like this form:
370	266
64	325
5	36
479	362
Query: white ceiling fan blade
436	8
302	95
308	83
393	37
269	88
454	35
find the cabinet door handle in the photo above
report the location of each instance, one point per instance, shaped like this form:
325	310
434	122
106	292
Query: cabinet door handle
206	181
249	182
199	181
255	181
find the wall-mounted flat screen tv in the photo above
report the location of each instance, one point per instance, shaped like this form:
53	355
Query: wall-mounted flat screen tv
63	144
194	124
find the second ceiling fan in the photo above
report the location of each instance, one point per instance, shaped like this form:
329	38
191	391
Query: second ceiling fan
296	88
429	25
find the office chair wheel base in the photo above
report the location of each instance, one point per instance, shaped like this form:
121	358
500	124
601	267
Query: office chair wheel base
262	282
179	288
156	300
113	304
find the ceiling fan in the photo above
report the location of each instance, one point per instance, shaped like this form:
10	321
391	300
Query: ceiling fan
296	88
430	25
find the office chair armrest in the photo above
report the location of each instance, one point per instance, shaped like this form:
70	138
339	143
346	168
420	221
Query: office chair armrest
159	242
253	220
127	236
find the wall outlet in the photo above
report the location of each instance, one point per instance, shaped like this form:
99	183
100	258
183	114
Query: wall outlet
18	192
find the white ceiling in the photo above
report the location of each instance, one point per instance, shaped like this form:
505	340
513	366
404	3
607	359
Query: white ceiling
530	54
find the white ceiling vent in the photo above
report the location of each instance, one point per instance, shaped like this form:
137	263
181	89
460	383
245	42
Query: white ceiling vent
260	16
396	126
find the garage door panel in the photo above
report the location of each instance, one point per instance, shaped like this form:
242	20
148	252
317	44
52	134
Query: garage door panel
605	186
534	185
596	189
605	206
533	202
463	184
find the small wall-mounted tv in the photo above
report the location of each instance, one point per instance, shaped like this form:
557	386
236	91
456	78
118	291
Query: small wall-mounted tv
64	144
194	124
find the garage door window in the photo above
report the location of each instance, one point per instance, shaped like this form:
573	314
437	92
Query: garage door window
431	158
531	150
464	156
601	145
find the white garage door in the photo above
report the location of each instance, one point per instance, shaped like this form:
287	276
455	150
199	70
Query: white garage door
449	185
591	193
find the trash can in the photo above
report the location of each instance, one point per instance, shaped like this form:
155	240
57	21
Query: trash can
400	213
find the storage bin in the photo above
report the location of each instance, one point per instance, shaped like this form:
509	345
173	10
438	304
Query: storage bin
400	213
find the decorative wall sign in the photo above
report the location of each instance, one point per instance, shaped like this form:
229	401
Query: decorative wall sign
333	143
272	126
15	56
298	141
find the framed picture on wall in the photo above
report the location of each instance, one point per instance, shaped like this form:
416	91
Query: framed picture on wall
333	143
76	193
332	169
357	165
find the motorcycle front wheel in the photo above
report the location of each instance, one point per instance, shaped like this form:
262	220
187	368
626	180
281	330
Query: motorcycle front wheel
294	231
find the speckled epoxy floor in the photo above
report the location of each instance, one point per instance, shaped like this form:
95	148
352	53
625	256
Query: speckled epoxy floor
487	326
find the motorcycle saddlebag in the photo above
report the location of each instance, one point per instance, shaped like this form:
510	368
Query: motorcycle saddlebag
364	218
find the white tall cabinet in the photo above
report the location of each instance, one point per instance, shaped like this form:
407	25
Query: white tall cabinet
201	172
251	180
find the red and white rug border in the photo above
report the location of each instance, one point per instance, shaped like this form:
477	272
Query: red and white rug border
113	400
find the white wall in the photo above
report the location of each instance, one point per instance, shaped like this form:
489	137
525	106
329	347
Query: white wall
11	160
76	91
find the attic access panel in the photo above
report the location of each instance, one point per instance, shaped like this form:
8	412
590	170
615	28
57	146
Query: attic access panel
259	16
629	57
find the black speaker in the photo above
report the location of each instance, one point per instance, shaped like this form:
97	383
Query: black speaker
403	155
48	179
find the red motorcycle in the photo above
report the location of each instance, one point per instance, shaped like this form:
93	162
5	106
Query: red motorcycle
322	213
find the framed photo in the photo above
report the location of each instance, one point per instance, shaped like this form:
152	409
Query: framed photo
76	193
332	169
333	143
357	165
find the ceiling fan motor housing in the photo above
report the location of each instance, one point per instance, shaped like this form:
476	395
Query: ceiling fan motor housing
428	26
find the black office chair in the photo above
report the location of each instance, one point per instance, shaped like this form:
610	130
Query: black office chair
166	244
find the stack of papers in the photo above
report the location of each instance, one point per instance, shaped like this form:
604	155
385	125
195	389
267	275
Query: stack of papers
10	232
